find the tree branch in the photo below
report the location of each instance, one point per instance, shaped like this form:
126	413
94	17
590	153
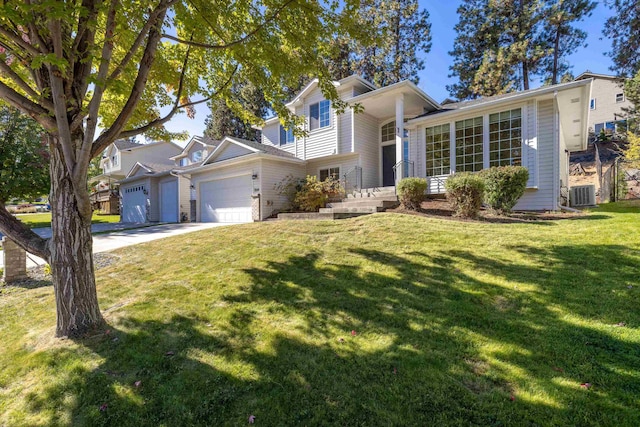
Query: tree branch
138	41
96	99
148	57
159	122
22	235
6	70
59	98
15	38
273	16
30	108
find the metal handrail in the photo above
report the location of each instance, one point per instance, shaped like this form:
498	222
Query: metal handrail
357	185
402	162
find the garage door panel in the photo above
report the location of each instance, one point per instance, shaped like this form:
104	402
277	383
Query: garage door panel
169	201
134	205
226	200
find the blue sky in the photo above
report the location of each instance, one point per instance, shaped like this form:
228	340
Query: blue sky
434	78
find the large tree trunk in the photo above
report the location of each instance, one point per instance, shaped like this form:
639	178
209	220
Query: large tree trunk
71	254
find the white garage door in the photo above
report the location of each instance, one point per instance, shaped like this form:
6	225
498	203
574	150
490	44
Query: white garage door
169	201
134	204
226	200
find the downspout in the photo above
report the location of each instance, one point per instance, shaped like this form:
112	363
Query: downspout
556	153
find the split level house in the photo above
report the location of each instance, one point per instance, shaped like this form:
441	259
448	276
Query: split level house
607	104
401	132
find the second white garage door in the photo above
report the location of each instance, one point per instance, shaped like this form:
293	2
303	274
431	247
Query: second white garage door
226	200
169	201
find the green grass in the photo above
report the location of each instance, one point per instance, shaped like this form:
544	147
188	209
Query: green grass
38	220
455	324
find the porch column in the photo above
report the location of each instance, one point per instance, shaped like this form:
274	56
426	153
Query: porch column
399	136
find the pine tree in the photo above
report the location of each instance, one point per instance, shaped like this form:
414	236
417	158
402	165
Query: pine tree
498	47
233	116
397	55
561	37
473	39
623	28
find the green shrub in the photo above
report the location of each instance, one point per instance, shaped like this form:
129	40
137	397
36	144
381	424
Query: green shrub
289	187
503	186
314	194
464	192
411	192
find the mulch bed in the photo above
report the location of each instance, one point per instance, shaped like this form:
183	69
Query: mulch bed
441	208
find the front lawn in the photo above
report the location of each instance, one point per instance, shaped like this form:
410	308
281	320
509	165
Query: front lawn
386	319
39	220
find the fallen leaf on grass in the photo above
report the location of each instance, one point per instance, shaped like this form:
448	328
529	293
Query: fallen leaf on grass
138	383
169	353
555	368
340	339
395	370
103	407
512	398
252	419
586	385
353	333
620	324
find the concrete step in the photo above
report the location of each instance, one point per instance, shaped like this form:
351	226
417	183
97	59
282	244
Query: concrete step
305	215
372	201
356	209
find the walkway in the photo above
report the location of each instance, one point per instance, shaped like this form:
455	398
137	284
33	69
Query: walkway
121	235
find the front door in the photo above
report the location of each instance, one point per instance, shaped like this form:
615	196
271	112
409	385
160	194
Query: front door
388	162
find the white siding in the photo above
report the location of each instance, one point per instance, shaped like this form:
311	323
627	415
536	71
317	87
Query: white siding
184	197
367	144
271	173
298	149
344	145
231	151
345	164
320	142
544	197
271	134
530	149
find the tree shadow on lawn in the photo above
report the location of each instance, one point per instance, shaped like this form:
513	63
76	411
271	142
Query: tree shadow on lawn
432	345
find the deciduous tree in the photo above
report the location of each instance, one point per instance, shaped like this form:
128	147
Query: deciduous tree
76	64
24	158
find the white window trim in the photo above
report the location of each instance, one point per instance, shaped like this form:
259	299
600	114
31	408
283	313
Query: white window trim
623	98
319	129
485	134
339	167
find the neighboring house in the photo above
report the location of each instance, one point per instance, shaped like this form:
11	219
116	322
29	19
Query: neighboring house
401	132
152	190
607	103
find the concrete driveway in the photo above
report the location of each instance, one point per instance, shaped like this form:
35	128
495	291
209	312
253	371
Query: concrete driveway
122	235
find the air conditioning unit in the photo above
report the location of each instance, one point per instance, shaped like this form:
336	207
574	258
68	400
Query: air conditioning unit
582	195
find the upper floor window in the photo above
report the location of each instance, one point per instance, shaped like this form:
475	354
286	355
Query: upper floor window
505	138
319	115
184	161
438	139
114	160
469	145
619	97
592	104
196	156
286	136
